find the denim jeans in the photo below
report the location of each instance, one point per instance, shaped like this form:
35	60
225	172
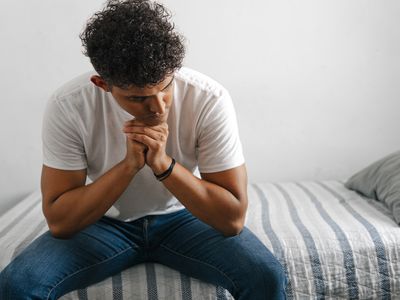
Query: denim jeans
49	267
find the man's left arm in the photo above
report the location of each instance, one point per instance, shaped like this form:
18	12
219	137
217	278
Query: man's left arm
218	199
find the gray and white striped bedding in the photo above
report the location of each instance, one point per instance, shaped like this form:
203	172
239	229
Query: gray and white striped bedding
333	244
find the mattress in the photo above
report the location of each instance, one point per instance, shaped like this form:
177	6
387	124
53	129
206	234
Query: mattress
332	242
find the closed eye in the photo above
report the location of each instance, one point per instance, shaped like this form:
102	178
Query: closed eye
140	99
137	99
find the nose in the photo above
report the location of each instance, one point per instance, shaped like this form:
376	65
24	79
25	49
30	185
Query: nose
157	104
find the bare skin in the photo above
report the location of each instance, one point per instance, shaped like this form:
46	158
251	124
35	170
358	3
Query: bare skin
218	199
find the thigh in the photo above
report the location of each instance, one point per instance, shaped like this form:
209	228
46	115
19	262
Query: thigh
50	267
241	263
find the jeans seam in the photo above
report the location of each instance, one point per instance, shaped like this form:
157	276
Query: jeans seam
85	268
145	230
201	262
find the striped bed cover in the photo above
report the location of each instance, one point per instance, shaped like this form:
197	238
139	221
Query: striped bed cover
333	244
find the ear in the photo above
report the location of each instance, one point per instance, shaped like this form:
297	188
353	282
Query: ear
100	82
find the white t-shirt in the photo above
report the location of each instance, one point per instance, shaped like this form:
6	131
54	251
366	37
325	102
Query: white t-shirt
82	129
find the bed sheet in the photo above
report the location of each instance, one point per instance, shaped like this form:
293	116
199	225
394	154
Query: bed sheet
332	242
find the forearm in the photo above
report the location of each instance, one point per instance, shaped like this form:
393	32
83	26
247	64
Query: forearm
80	207
219	199
207	201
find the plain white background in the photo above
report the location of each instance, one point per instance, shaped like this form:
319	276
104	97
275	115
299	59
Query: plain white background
315	83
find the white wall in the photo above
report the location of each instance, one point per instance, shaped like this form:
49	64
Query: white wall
315	83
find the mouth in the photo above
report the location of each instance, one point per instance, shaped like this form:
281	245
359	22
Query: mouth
154	117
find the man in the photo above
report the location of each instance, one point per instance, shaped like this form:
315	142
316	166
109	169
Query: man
168	182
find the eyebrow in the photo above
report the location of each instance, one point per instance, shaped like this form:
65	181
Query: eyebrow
135	96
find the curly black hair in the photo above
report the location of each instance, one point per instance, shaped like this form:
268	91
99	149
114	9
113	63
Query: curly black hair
132	42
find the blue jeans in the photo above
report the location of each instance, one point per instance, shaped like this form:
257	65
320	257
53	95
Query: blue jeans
49	267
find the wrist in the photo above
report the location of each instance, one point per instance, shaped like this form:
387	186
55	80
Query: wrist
164	175
129	167
162	166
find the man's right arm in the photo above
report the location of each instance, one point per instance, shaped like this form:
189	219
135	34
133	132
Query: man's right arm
69	205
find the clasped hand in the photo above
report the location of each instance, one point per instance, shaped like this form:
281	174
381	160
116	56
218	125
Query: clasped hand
146	145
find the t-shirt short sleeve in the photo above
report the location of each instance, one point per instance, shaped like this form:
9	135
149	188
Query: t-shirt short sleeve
219	147
62	146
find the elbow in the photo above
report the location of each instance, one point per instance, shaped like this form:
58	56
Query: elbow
236	224
57	228
59	232
234	229
228	234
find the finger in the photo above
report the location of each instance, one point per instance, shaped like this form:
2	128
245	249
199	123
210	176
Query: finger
163	127
141	129
151	143
136	143
134	122
154	134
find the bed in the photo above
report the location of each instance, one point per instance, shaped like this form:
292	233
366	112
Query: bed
332	242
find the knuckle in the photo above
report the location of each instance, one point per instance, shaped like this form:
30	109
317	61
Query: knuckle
137	137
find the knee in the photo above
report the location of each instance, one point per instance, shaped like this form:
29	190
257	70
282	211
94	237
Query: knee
18	281
265	280
272	280
278	275
9	283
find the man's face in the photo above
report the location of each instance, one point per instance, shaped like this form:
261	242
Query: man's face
150	104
